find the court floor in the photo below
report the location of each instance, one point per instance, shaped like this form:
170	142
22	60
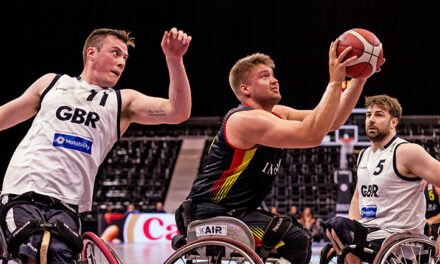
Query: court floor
157	253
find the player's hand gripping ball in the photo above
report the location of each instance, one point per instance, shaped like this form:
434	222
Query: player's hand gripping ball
367	47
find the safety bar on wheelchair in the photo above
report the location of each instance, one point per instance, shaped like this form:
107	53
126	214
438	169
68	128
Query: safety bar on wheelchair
350	249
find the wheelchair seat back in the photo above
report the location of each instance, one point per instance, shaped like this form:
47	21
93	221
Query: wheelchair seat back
221	226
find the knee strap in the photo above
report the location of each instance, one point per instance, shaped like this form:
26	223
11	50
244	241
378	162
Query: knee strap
21	234
274	233
59	228
72	238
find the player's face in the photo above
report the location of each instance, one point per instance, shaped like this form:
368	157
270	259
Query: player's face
110	61
263	85
378	123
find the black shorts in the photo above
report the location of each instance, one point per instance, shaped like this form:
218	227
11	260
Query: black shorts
58	251
297	243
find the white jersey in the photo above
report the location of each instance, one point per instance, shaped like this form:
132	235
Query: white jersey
387	199
75	128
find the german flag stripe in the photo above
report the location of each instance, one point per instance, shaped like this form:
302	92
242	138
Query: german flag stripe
237	158
239	163
258	236
257	232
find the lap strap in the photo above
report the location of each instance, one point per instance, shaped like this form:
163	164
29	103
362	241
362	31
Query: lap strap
59	228
44	247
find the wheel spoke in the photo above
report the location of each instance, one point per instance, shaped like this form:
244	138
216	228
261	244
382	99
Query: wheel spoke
214	251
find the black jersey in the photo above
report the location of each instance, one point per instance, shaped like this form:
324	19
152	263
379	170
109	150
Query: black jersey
432	201
233	177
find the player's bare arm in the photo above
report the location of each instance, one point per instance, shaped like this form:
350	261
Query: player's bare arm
26	105
258	127
139	108
249	128
354	211
348	102
414	161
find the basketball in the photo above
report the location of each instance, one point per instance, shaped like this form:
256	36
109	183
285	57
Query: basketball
367	47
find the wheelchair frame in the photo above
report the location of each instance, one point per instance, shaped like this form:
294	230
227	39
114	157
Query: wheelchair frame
237	246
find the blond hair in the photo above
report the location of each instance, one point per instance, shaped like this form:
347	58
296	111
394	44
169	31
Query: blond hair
244	66
98	35
386	102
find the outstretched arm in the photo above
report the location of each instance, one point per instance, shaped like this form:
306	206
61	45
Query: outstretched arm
246	129
348	101
25	106
139	108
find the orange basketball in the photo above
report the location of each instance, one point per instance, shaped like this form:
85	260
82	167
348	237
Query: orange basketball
367	47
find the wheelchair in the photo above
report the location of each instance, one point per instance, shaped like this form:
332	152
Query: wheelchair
397	248
220	239
92	249
95	251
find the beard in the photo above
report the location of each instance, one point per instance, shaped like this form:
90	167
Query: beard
378	134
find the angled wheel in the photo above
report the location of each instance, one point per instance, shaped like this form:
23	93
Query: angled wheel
214	250
328	255
97	251
415	249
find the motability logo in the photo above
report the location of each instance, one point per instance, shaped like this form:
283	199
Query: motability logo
369	211
73	142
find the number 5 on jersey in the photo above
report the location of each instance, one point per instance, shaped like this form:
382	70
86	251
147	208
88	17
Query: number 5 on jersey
379	167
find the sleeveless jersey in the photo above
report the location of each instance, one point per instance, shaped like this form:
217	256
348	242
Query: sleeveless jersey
432	201
387	199
236	178
75	127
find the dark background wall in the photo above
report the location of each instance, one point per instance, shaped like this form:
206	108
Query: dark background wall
47	36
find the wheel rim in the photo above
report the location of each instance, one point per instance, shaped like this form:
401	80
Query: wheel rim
209	251
411	250
92	254
97	251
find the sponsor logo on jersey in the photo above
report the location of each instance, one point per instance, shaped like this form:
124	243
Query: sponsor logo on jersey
72	142
210	230
369	211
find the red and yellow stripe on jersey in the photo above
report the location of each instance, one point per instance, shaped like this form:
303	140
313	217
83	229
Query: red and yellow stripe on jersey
240	161
258	236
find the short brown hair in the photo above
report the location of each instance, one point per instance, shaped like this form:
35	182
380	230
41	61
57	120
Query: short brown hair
95	39
386	102
245	65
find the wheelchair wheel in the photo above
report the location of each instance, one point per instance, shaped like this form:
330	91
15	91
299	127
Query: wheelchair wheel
97	251
328	255
408	250
214	250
